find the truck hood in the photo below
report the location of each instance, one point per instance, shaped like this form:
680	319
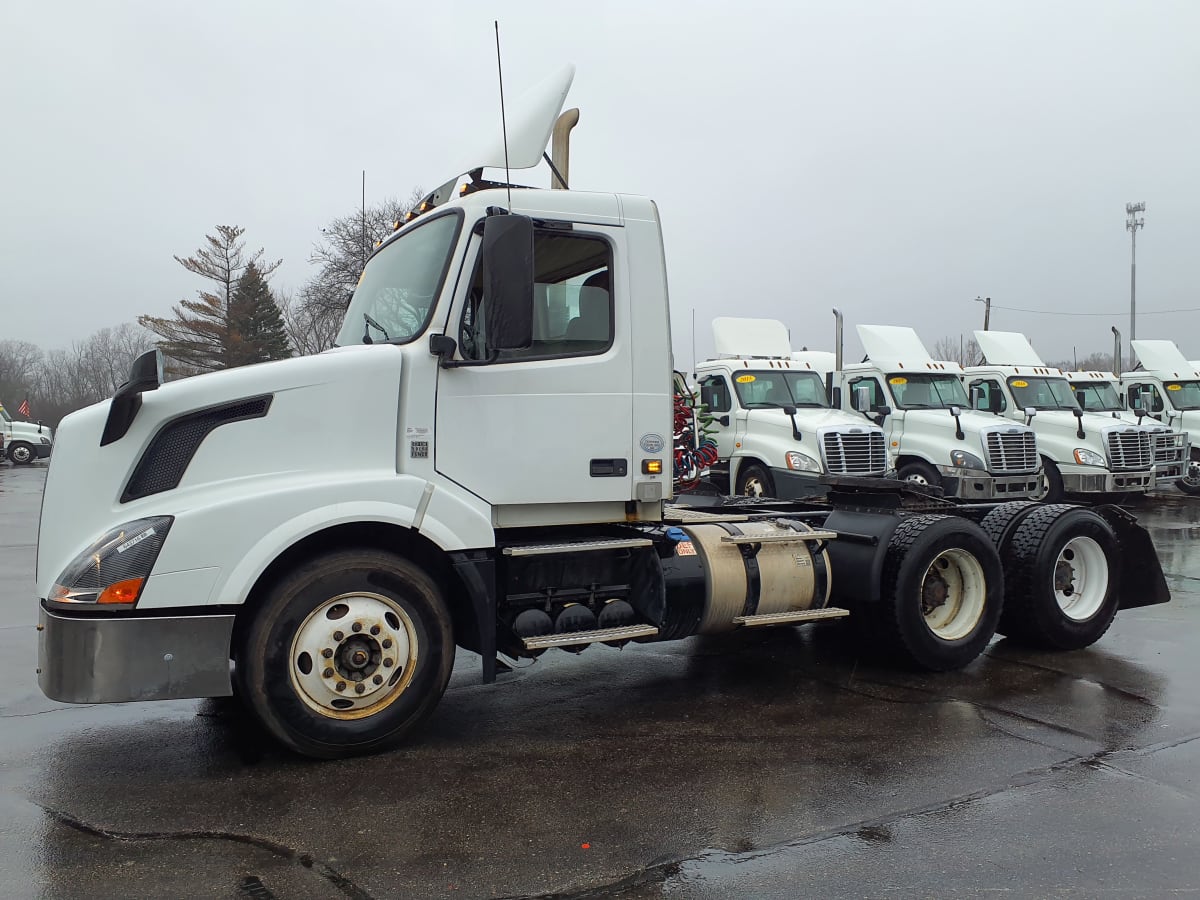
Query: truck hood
809	420
85	482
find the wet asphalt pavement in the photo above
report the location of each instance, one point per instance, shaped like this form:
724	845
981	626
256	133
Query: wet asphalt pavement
769	765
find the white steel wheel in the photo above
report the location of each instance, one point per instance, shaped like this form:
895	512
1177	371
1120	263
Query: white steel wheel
753	487
353	655
953	594
1081	578
917	478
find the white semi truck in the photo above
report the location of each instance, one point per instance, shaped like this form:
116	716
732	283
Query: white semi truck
934	436
775	431
1167	386
506	365
23	442
1082	452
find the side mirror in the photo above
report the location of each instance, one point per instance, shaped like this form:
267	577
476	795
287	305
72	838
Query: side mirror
994	403
881	413
1078	413
861	398
1081	399
508	281
977	397
789	410
956	411
724	421
146	374
1146	399
1030	412
1140	412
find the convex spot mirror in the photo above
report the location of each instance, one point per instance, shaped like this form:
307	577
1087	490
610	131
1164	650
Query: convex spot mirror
508	281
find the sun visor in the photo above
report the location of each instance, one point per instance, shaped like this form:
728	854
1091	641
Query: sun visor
892	343
1161	356
733	337
1007	348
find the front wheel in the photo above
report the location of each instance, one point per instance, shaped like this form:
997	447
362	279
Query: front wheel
942	587
755	481
1063	564
1050	488
920	473
1190	482
20	453
346	654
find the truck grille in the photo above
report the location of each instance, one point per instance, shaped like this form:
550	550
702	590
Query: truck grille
1169	447
854	453
1129	449
1011	451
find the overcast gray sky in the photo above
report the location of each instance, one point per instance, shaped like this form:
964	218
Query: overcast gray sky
895	160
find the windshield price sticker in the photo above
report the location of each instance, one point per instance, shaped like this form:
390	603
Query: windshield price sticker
1019	383
898	379
1174	387
745	379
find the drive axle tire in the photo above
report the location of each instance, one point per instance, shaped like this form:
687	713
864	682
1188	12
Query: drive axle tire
755	481
999	522
346	654
942	589
1062	568
20	453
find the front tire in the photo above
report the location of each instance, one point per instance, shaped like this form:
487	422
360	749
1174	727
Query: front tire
1063	565
755	481
920	473
942	588
1051	486
21	453
346	654
1190	482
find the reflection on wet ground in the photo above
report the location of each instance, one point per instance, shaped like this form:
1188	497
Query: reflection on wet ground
771	764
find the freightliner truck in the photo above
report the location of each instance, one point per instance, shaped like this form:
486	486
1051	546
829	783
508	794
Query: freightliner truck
776	434
1167	386
506	362
24	442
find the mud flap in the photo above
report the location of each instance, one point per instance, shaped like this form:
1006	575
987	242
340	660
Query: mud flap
1142	579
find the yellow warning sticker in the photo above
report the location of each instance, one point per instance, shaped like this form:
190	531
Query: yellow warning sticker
898	379
745	379
1019	383
1174	387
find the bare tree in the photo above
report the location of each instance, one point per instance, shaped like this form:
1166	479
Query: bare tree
19	364
309	327
1093	362
955	349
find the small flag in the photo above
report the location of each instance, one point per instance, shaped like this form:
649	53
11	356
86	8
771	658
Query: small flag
23	409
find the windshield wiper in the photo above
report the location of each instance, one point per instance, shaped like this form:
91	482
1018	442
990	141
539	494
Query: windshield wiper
371	323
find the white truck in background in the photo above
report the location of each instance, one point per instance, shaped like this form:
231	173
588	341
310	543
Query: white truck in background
934	437
1167	386
1082	452
1100	392
776	434
23	442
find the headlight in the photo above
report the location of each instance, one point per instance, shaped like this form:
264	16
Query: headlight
115	568
45	440
801	462
965	460
1089	457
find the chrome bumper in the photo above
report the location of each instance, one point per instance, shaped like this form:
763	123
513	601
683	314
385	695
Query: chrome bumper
991	487
114	660
1108	482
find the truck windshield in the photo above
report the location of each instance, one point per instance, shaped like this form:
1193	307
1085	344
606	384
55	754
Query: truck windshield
766	389
1184	394
5	415
1042	393
399	286
1098	396
913	391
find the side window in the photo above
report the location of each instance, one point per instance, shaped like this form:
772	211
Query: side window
572	301
990	393
1135	394
714	393
876	393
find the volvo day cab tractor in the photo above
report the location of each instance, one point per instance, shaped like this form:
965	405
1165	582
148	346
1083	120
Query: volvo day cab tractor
24	441
1167	386
191	546
933	435
1100	392
1082	452
776	434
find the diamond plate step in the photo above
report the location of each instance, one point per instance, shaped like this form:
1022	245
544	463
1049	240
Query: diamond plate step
574	638
791	618
576	547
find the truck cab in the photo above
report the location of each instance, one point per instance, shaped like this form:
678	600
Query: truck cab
934	436
1100	392
776	434
1167	386
24	442
1082	452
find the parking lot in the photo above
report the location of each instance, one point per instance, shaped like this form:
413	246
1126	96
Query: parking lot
774	764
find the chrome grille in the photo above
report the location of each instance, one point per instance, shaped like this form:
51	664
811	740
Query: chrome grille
854	453
1011	451
1169	447
1129	449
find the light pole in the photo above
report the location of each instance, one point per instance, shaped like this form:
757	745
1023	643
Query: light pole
1132	224
987	310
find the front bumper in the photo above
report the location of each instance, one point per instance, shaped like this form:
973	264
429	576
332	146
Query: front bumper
43	450
93	659
791	485
990	487
1100	482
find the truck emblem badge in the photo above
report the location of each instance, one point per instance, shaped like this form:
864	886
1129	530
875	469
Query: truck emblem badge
652	443
418	449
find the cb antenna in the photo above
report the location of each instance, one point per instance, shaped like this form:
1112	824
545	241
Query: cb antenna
503	122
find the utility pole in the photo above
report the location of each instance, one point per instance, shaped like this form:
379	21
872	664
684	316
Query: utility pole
364	221
1132	224
987	310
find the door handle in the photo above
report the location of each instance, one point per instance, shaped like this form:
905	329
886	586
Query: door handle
608	468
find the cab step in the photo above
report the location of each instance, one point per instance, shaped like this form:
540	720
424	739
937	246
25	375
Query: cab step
576	546
793	618
792	538
575	638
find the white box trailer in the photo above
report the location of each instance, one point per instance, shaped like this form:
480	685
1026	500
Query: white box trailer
505	367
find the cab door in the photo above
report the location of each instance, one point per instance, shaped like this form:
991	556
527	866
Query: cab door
549	424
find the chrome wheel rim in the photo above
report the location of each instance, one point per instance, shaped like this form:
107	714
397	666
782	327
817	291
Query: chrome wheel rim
754	487
1080	578
353	655
21	454
953	594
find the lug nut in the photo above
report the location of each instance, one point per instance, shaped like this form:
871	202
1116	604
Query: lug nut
357	626
378	679
374	629
327	653
387	643
337	636
340	686
328	673
388	663
359	688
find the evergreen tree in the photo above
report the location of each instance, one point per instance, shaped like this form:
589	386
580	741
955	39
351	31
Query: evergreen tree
256	332
200	336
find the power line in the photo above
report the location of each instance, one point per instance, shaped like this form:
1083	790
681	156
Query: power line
1052	312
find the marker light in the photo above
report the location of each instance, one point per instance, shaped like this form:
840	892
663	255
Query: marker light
652	466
